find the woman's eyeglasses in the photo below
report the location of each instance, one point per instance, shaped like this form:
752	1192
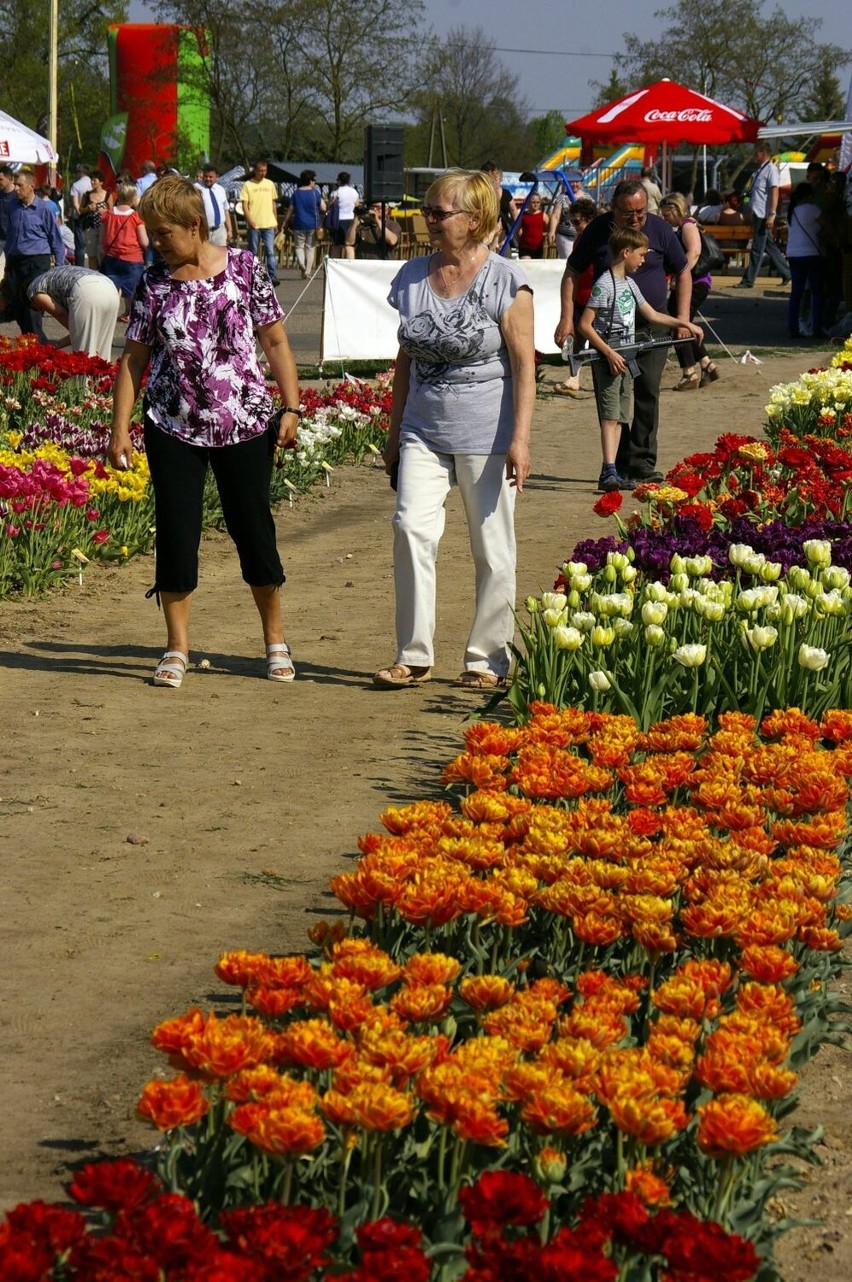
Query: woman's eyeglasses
430	211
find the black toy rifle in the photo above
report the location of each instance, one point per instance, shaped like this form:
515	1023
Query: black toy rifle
643	342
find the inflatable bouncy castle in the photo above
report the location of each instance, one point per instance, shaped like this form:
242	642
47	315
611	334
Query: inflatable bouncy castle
160	110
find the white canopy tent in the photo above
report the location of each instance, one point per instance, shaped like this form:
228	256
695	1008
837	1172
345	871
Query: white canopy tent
22	146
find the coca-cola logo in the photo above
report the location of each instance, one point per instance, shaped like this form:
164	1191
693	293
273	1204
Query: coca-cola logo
693	114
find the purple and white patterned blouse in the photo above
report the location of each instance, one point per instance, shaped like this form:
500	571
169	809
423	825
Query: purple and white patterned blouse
205	384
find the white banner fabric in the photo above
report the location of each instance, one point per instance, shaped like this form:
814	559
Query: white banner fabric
360	324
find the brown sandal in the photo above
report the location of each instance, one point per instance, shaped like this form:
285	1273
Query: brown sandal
687	383
475	680
397	675
709	374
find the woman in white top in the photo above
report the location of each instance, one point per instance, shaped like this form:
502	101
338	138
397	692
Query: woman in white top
807	264
463	396
342	212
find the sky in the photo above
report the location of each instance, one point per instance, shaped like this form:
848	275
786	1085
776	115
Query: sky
568	49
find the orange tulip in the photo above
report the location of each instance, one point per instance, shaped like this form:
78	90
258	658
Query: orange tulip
733	1125
485	992
650	1121
178	1102
422	1003
314	1044
278	1130
559	1110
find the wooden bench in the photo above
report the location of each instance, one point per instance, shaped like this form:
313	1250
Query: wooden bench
732	238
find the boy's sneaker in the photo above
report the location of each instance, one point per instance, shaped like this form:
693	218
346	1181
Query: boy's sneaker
609	480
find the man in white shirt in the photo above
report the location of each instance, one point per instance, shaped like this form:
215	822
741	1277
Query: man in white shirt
764	189
215	200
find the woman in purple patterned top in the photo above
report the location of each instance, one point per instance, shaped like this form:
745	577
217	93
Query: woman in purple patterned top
192	327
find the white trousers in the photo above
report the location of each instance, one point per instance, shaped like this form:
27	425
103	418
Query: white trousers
92	314
425	479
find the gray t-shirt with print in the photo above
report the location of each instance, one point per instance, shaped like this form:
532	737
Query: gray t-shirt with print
460	386
59	283
614	300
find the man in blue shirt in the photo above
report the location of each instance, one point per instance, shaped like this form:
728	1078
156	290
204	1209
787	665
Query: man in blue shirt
637	454
33	236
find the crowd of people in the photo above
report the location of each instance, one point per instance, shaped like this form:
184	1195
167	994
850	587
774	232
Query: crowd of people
160	249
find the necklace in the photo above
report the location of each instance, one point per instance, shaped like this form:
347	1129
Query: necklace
450	287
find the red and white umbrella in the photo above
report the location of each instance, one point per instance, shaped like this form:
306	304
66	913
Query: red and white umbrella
23	146
665	112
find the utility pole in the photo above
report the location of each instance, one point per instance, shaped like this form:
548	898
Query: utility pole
53	85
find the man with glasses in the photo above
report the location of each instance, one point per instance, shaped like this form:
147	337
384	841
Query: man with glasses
637	454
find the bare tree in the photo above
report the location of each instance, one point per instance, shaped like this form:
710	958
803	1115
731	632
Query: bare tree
340	67
478	97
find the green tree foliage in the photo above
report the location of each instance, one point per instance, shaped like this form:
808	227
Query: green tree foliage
483	110
83	73
767	67
825	100
547	134
302	79
611	90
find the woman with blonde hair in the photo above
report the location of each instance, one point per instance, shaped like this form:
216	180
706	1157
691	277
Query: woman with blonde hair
463	394
697	369
193	321
123	244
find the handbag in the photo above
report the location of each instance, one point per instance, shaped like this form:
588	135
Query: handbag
332	218
711	258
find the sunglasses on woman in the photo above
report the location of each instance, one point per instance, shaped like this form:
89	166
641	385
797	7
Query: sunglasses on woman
430	211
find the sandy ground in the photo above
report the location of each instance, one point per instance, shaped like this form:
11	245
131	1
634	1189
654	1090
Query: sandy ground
144	830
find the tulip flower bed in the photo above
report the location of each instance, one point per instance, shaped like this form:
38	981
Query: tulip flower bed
728	589
60	506
577	1007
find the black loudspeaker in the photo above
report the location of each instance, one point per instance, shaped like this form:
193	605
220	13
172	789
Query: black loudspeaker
383	148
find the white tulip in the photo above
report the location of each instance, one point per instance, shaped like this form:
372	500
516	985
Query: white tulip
553	618
599	681
654	612
602	636
583	620
573	568
622	627
690	656
738	554
798	577
552	601
818	551
812	658
830	603
770	571
654	635
834	576
761	638
567	638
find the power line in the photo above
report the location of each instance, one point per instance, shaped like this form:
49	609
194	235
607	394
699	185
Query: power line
559	53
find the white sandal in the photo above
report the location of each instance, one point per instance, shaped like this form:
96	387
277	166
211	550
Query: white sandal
178	669
279	663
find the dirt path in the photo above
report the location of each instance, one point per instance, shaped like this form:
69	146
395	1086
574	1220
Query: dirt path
242	797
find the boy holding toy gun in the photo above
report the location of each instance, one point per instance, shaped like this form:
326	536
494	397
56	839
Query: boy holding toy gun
609	323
